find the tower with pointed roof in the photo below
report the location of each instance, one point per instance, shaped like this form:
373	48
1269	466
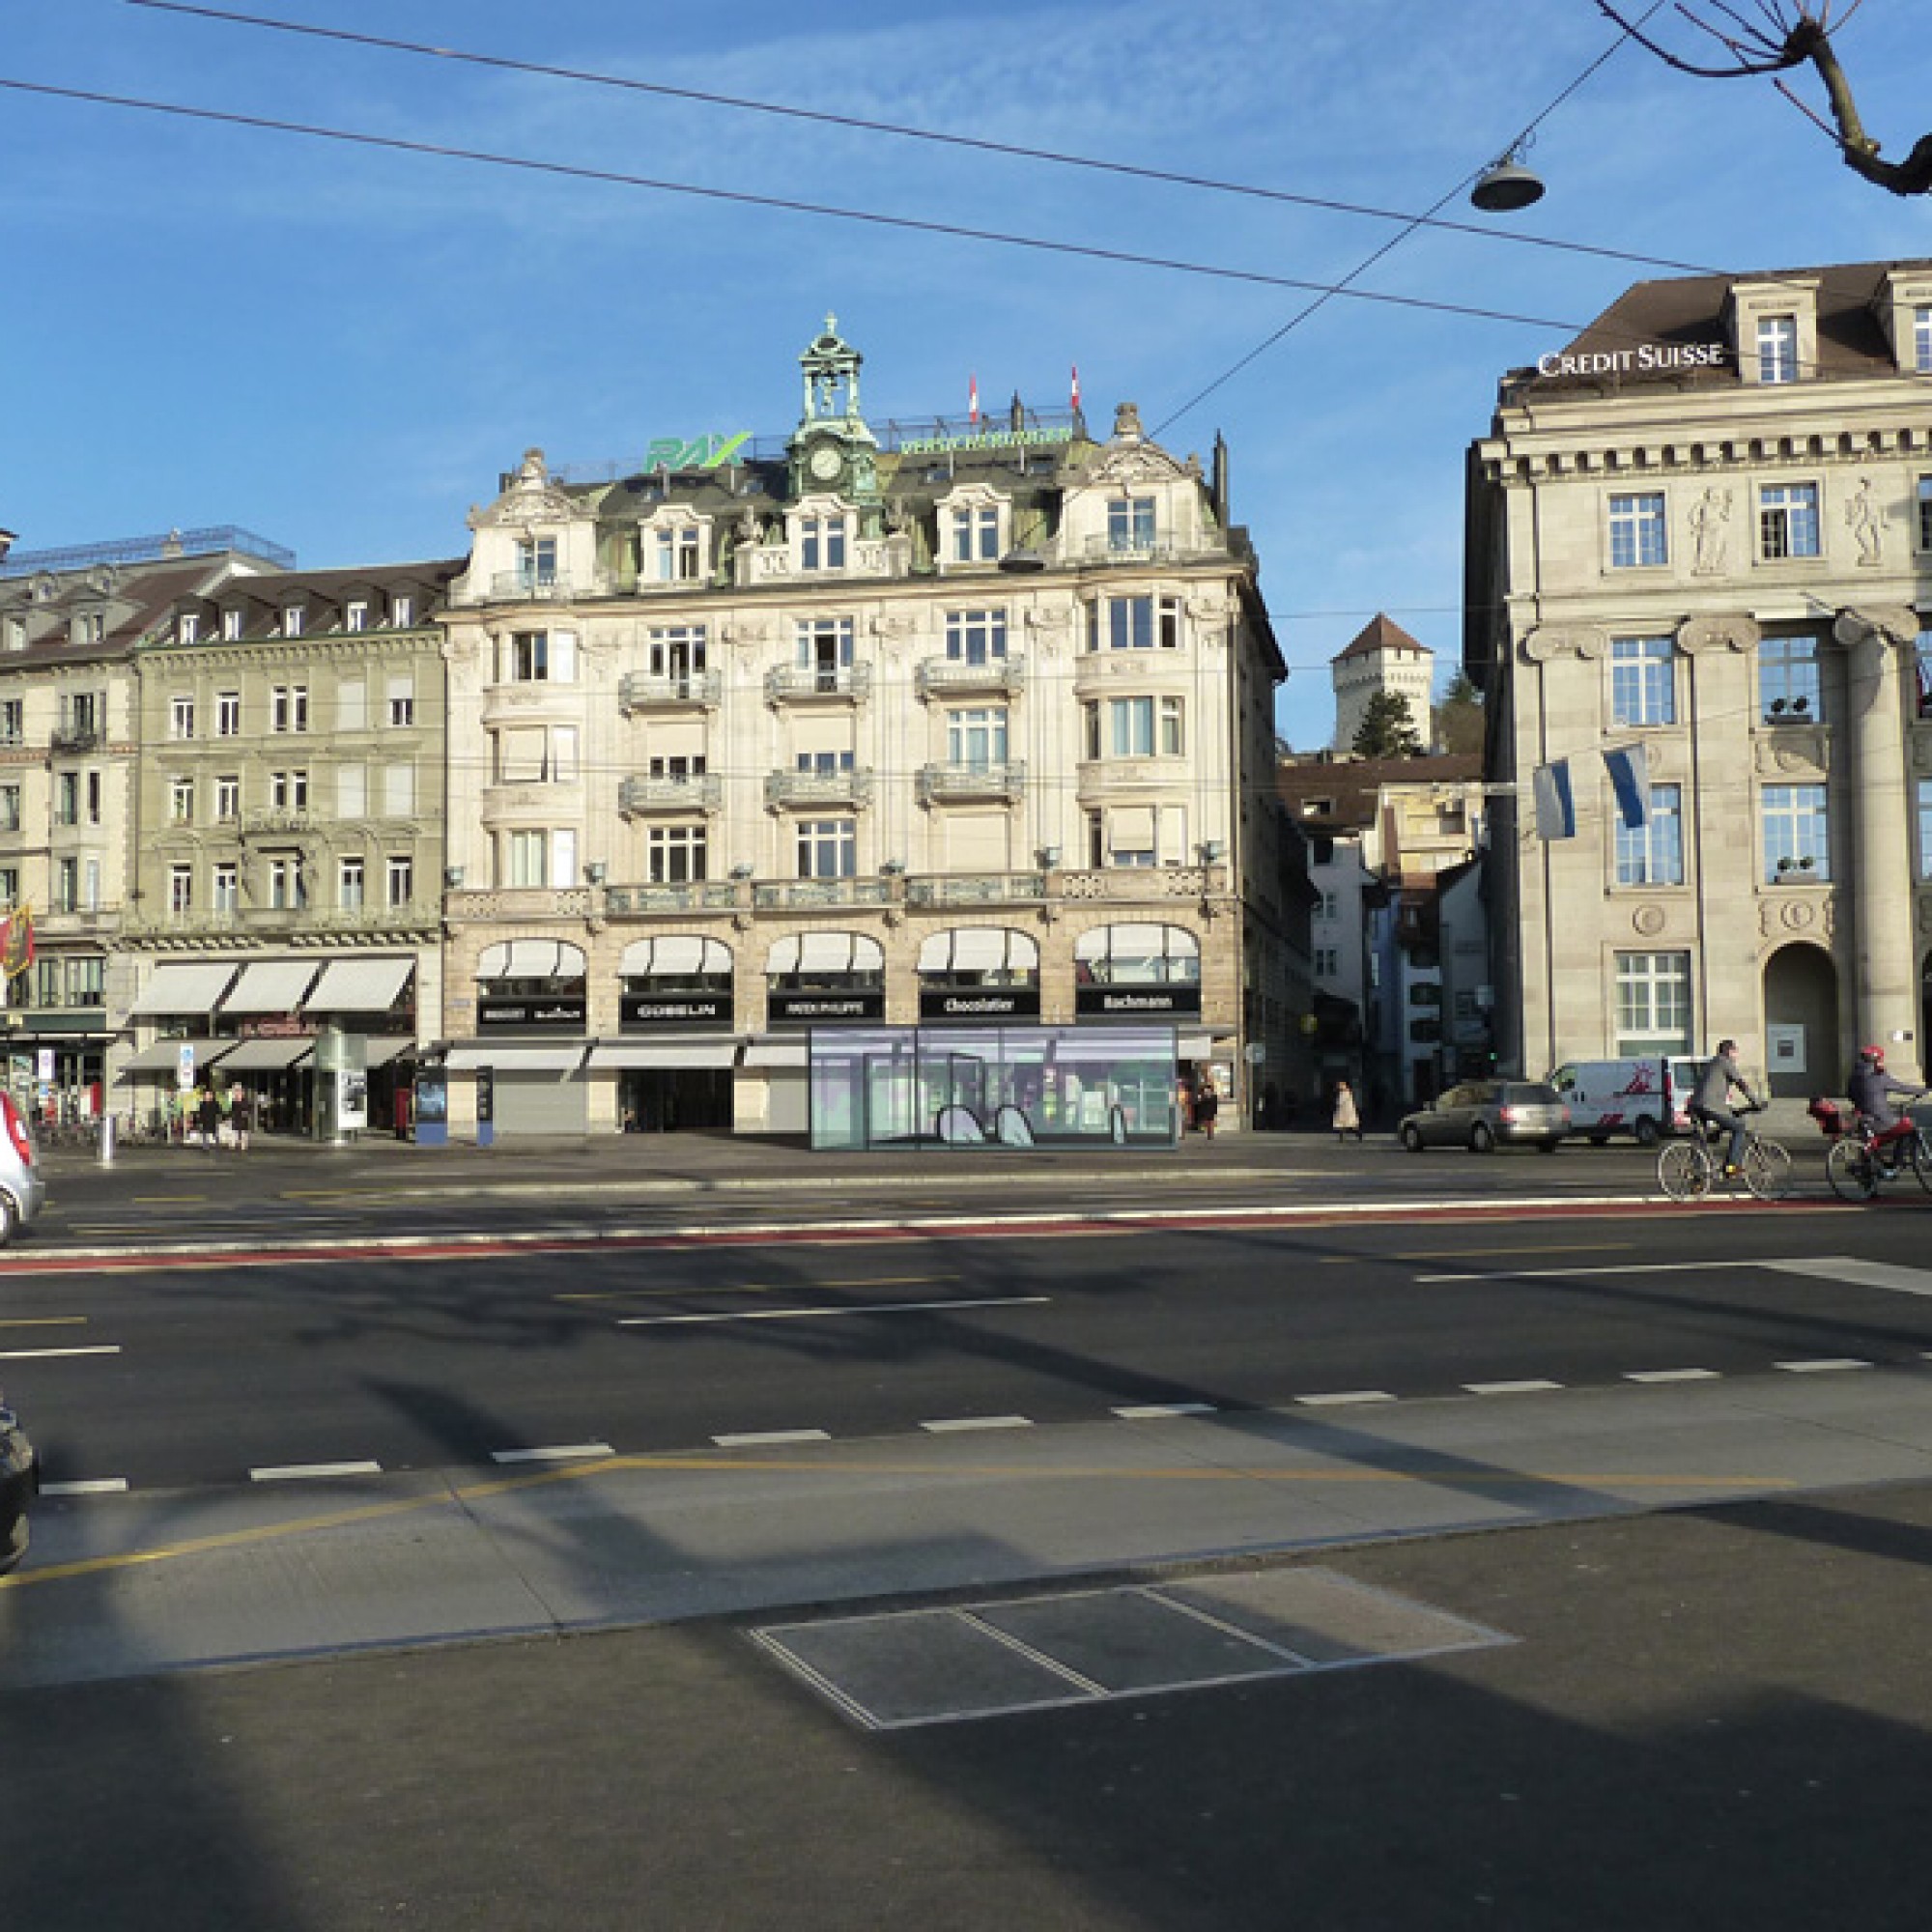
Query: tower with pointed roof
1382	657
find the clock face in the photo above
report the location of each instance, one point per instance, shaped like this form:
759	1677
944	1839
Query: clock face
824	463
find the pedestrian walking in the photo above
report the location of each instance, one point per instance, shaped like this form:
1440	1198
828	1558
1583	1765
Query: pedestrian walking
239	1116
1347	1119
208	1116
1206	1104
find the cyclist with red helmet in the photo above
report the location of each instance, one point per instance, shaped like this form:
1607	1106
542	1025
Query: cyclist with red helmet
1871	1090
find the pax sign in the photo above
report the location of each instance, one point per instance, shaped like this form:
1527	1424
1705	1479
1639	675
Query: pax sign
700	452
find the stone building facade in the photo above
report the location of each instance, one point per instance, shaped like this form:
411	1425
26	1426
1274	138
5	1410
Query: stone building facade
1705	529
875	731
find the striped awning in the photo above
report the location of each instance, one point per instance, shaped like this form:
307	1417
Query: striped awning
270	986
186	986
265	1056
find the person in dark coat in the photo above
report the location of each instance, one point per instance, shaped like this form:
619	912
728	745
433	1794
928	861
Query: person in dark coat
208	1118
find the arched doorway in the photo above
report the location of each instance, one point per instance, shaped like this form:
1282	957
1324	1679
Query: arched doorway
1801	1022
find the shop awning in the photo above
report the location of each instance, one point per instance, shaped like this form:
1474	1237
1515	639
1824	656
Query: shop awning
186	986
636	1054
517	1056
165	1056
381	1051
270	986
531	959
778	1053
265	1056
1194	1046
359	985
674	955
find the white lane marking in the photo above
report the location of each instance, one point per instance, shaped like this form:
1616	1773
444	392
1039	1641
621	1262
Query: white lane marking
1615	1267
1673	1375
1821	1367
1344	1397
1510	1388
818	1314
1156	1411
958	1423
52	1354
1860	1274
96	1486
761	1438
295	1472
557	1452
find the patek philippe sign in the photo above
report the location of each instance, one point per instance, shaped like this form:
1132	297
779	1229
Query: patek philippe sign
638	1013
982	1002
1644	358
552	1012
825	1009
1124	1002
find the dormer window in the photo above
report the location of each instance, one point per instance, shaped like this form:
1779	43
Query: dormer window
679	553
1778	349
536	563
231	625
355	615
976	535
291	622
1130	522
187	628
13	634
90	627
821	542
402	611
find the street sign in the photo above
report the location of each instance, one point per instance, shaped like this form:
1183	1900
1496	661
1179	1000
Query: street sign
185	1066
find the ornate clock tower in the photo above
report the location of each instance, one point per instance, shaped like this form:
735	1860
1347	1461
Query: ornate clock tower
832	451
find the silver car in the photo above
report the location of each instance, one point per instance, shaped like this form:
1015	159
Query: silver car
1481	1114
22	1192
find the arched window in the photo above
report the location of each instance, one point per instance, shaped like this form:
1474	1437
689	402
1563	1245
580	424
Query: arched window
677	962
978	956
814	961
1137	955
530	965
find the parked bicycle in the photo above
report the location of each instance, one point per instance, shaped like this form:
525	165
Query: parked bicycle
1862	1158
1692	1169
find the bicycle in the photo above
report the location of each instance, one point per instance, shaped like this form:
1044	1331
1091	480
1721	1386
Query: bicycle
1689	1170
1862	1158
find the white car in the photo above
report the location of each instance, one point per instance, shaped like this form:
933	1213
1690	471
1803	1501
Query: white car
22	1192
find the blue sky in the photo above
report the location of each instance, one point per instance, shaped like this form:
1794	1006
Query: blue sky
340	348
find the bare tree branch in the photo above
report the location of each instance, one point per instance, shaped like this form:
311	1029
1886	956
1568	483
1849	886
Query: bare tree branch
1793	34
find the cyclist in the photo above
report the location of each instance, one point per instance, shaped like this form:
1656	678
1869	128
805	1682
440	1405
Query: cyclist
1712	1100
1871	1091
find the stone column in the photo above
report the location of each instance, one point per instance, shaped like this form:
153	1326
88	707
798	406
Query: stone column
1885	964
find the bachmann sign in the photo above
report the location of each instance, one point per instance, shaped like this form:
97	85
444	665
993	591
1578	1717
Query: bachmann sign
1124	1002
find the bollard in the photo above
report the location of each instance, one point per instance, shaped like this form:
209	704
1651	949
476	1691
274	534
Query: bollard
107	1140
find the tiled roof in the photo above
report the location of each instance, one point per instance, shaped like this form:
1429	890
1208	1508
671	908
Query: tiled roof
1379	634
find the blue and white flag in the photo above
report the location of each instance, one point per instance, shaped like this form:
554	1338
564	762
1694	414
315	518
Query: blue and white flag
1555	807
1629	767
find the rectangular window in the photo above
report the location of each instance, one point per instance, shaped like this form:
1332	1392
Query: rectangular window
224	886
401	702
1921	339
1797	842
529	859
350	876
180	801
12	721
10	807
821	542
231	625
1787	520
1328	960
1789	681
291	622
355	617
402	613
541	657
824	763
824	647
67	799
1925	828
1643	681
9	885
975	636
351	705
228	714
288	791
1778	349
352	791
288	885
977	738
94	798
400	878
67	886
536	563
976	535
676	652
187	628
1172	742
1136	624
1130	522
1652	853
399	791
181	889
828	848
228	799
1638	531
674	855
180	718
1926	513
13	633
679	554
287	708
1653	1003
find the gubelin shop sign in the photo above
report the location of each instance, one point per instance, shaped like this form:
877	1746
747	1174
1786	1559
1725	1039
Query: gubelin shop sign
1646	356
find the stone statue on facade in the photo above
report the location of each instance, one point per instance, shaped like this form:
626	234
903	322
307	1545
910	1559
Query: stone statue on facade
1709	515
1865	518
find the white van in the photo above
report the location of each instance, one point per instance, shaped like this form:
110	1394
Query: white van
1644	1098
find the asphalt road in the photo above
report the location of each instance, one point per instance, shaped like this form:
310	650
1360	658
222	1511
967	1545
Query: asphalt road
173	1374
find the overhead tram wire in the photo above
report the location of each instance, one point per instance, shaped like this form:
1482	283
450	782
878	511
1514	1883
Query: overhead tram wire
590	77
1413	222
609	177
